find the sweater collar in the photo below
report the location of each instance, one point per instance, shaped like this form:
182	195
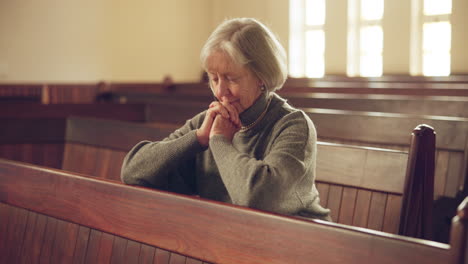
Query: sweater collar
252	113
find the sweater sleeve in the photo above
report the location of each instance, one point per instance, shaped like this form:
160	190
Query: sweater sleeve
152	164
265	184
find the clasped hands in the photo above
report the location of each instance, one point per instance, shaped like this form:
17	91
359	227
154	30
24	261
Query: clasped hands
222	118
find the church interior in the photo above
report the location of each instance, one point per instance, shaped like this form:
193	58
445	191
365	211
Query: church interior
384	82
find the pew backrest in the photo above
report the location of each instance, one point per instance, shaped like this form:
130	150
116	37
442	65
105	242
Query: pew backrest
419	105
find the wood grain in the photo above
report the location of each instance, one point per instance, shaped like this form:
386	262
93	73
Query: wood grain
361	167
48	242
334	201
82	240
105	248
392	214
92	252
146	254
454	173
64	243
16	235
348	203
361	215
440	174
377	210
118	250
25	256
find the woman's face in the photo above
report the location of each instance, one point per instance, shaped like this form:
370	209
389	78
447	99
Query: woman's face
231	82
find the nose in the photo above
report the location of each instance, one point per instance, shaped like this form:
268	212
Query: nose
221	88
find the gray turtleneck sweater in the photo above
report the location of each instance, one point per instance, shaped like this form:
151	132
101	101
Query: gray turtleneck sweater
269	167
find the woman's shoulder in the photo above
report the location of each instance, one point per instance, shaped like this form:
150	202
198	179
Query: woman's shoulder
291	120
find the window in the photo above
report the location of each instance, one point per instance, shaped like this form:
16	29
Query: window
307	38
365	37
431	37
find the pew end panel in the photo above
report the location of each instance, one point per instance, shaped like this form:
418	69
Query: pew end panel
416	219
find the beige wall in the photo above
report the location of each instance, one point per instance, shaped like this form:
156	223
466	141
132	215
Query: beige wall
459	48
396	25
273	13
143	40
86	40
52	40
335	43
155	38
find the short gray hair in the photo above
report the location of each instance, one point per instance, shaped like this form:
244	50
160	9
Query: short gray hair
248	42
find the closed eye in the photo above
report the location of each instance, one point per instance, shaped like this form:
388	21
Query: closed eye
232	79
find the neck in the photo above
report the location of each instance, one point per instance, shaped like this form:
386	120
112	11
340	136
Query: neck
255	112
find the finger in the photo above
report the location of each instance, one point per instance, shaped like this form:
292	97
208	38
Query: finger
220	109
213	103
234	115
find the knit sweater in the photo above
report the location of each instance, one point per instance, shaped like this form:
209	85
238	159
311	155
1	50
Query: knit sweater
270	167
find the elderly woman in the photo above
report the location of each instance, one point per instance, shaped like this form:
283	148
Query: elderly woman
250	147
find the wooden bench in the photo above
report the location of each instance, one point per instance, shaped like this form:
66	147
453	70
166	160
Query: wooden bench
419	105
54	216
357	189
429	105
129	112
35	133
53	93
20	93
461	92
383	130
388	130
385	78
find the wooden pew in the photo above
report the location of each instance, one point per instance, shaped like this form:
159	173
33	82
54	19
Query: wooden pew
460	91
97	147
357	188
384	130
129	112
385	78
11	92
387	130
52	93
361	174
60	217
419	105
90	92
429	105
35	133
71	93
